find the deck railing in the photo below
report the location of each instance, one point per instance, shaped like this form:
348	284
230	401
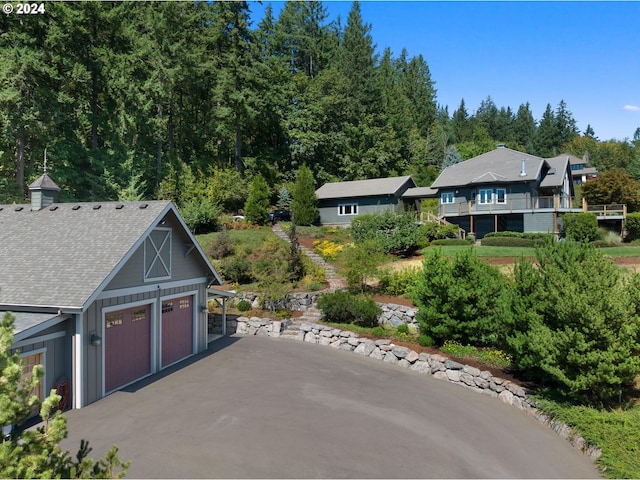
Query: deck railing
603	211
556	202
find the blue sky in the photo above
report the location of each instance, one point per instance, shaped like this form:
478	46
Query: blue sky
585	53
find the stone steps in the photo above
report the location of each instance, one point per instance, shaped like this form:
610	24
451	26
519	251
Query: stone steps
335	282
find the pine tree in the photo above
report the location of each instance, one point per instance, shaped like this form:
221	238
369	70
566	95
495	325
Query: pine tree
36	453
451	158
304	205
256	208
284	198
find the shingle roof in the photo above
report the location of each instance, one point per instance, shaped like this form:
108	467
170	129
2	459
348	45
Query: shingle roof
420	192
59	256
555	175
501	165
44	182
364	188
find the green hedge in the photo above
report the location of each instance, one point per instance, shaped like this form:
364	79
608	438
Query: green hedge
632	226
508	242
451	241
345	307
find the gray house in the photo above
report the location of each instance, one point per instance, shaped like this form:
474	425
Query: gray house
105	293
340	202
506	190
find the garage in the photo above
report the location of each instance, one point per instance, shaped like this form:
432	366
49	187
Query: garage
177	329
127	346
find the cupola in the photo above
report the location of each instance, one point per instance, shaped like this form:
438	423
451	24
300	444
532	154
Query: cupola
43	192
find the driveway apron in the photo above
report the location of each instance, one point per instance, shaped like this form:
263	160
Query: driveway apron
256	407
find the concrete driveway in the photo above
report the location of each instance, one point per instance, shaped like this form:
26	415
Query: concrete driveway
255	407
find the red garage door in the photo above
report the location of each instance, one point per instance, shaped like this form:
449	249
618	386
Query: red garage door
177	329
127	346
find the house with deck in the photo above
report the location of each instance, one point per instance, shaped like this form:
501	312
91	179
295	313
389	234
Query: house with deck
104	293
341	202
506	190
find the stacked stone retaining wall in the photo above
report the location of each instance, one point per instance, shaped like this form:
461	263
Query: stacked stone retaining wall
438	366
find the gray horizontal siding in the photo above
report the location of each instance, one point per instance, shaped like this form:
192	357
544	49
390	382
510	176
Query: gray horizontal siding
328	209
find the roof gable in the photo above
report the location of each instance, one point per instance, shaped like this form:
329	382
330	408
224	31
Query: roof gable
64	255
365	188
502	165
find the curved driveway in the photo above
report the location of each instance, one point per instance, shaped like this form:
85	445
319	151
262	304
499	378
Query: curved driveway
255	407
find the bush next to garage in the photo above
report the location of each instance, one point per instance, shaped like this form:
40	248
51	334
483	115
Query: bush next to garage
345	307
581	227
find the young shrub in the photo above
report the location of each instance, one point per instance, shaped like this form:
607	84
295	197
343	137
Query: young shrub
344	307
221	246
398	283
575	322
236	269
580	227
256	208
397	234
362	261
462	300
402	329
632	226
244	305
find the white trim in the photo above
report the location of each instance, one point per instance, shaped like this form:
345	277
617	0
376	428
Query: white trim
341	208
157	255
489	196
78	364
453	198
121	292
497	197
40	327
195	311
42	338
43	380
152	335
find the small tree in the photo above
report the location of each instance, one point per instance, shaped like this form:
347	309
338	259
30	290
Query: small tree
304	203
575	324
395	233
36	453
362	261
451	158
284	198
463	300
613	186
256	208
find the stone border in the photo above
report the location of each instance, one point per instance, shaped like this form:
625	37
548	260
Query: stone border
438	366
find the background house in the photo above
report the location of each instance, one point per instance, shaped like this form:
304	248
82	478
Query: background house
506	190
581	169
340	202
103	293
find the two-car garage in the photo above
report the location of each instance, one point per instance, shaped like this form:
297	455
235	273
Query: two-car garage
128	339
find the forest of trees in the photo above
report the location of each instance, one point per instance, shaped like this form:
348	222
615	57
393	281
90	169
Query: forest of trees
190	100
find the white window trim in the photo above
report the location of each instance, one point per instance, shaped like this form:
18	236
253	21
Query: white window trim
447	195
341	208
504	201
156	255
489	197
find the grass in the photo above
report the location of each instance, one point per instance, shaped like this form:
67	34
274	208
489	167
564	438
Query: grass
616	432
250	239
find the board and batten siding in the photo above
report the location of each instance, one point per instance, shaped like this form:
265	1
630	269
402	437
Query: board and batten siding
58	353
539	222
93	318
328	208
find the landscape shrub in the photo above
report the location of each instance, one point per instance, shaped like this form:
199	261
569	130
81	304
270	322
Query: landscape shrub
403	329
453	241
463	300
345	307
435	231
221	246
398	282
361	262
304	209
425	340
256	208
575	322
201	216
236	269
632	226
580	227
395	233
508	242
244	305
327	249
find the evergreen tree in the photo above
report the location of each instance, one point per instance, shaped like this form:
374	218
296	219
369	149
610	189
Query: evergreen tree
451	158
36	453
284	198
256	208
524	129
566	124
304	203
547	140
461	125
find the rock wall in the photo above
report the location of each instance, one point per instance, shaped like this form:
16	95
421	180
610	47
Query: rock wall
292	301
436	365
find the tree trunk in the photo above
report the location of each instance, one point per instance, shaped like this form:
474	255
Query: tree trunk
159	150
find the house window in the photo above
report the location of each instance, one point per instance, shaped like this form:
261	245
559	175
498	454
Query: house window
447	197
138	315
349	209
167	307
29	361
114	320
501	195
485	196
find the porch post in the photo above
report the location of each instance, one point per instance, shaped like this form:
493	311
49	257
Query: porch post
224	315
